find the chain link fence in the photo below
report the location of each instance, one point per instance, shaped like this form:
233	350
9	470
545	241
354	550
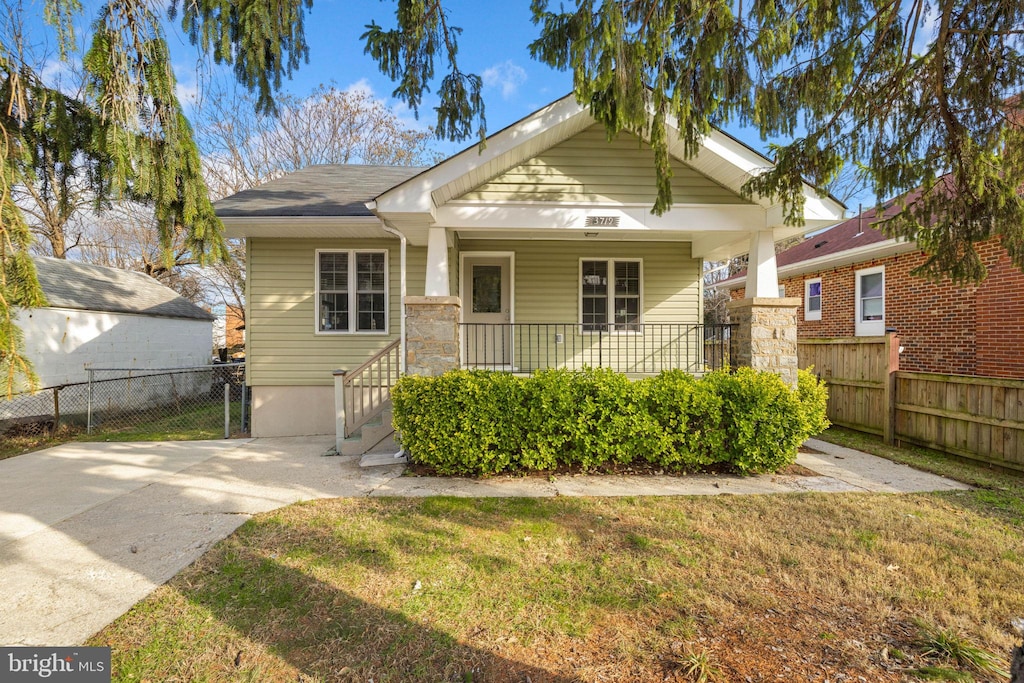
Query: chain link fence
204	402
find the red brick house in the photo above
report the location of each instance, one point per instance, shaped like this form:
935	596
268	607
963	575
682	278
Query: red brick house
855	281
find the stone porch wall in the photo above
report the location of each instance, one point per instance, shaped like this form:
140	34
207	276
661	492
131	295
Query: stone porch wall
765	335
432	334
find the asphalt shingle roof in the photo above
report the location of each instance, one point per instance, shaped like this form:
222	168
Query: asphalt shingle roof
325	190
83	286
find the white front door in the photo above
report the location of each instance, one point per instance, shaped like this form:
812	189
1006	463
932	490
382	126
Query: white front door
486	284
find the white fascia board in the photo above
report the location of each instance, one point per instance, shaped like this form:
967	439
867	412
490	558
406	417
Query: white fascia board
550	216
301	226
413	196
818	212
848	257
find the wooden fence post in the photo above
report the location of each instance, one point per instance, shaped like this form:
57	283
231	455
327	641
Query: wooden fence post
892	358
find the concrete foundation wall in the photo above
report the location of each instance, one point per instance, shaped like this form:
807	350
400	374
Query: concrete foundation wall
292	411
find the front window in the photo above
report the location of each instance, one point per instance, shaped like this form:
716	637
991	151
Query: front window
352	291
870	301
610	295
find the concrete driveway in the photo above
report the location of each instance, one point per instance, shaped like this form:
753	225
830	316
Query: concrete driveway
89	529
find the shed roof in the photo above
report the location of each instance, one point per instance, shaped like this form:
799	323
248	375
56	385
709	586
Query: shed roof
323	190
83	286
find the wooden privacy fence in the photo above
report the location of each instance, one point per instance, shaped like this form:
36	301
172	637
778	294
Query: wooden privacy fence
974	417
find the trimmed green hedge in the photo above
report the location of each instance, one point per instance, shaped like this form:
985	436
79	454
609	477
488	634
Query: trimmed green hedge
475	422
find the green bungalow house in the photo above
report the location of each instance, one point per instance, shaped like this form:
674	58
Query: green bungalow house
538	250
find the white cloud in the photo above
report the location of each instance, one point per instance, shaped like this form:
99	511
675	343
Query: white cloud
507	76
188	86
362	87
64	76
401	110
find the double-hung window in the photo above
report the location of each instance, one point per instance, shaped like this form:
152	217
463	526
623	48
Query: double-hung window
870	302
610	295
351	291
812	299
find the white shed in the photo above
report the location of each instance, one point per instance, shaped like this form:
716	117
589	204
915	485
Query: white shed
105	317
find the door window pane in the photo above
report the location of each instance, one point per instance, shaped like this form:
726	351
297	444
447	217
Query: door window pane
486	289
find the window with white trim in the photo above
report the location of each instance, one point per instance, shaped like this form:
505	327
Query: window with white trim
812	299
869	320
610	294
351	291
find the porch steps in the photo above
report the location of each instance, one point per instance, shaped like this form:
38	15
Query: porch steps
372	435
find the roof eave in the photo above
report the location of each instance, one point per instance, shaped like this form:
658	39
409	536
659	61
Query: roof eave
293	226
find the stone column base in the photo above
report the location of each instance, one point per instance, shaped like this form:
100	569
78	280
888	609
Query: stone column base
432	334
765	335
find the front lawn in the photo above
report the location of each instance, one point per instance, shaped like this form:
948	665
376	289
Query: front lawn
797	588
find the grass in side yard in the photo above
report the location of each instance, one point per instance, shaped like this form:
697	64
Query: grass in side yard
800	587
12	444
200	422
196	423
1001	492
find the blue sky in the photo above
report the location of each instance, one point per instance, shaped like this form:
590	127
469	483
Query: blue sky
494	45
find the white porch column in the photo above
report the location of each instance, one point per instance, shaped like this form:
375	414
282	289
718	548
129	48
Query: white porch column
762	273
437	263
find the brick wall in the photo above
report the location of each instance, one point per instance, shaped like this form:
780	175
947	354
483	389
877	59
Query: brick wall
965	330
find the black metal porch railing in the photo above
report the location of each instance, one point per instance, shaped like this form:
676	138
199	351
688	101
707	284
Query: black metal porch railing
646	348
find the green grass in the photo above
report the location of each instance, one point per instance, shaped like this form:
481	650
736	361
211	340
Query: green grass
196	423
575	589
1000	492
200	422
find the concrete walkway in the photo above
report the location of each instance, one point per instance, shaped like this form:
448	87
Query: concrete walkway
89	529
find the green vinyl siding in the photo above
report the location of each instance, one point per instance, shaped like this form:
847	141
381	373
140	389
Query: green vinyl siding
547	277
589	168
283	347
547	290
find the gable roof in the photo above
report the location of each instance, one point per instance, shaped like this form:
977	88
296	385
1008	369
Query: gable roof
721	158
322	190
83	286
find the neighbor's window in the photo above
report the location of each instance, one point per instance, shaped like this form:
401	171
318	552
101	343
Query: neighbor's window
870	300
610	295
352	291
812	299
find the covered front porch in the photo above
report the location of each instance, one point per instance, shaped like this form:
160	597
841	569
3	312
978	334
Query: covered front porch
541	251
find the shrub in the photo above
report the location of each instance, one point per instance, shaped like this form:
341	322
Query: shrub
462	422
761	426
481	423
813	395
